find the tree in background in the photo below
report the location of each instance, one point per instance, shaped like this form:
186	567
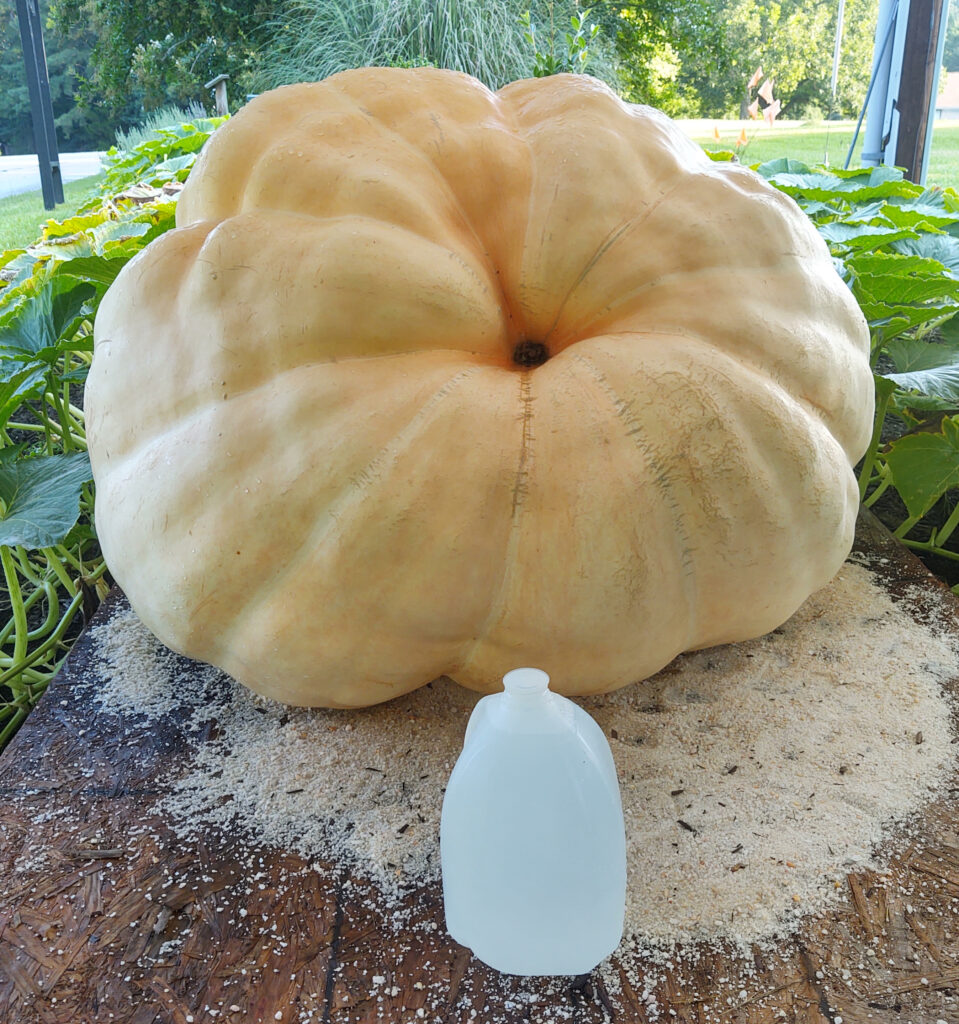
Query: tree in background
68	55
695	57
150	54
950	54
111	61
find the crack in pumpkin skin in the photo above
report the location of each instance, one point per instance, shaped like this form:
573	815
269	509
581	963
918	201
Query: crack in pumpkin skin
592	232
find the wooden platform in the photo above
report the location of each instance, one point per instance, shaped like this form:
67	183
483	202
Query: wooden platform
115	923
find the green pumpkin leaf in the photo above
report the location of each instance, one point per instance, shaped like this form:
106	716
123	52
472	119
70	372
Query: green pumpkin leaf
40	497
944	249
19	384
783	165
930	368
935	381
905	291
916	214
863	236
895	263
910	354
880	182
871	174
888	322
868	212
924	466
884	386
45	318
909	402
70	226
97	269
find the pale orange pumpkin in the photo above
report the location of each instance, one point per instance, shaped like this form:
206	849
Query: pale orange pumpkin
434	380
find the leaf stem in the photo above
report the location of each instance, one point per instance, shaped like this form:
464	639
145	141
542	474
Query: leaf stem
11	727
53	611
60	571
10	624
65	432
946	530
905	526
6	678
885	480
933	549
16	604
868	462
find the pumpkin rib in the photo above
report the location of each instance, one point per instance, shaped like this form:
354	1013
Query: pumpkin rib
520	483
808	405
601	250
482	249
752	349
660	476
735	190
781	491
218	150
660	331
356	489
606	317
184	424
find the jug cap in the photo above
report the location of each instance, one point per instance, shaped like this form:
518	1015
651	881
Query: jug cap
526	682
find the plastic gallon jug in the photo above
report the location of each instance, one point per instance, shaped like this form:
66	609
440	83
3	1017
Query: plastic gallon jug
532	841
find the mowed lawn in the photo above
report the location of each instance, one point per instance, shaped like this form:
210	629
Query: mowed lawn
21	215
822	142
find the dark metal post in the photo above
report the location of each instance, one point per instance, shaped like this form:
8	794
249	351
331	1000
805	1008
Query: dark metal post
41	106
917	86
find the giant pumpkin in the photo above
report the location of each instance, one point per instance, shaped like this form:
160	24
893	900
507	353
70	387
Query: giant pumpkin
433	380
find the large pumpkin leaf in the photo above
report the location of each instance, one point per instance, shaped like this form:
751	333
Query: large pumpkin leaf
18	270
20	382
863	235
879	182
870	212
912	354
944	249
783	165
97	269
924	466
71	225
44	320
931	369
898	292
896	263
911	215
905	291
888	321
40	497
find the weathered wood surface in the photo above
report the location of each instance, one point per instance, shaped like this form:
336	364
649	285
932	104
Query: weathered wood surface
121	923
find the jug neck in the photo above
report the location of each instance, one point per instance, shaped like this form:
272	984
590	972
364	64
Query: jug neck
526	684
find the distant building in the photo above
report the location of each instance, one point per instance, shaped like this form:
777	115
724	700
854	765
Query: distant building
947	102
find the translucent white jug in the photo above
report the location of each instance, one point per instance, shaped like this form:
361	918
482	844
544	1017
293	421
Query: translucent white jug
532	841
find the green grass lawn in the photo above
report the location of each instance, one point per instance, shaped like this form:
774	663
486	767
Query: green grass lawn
829	142
22	215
